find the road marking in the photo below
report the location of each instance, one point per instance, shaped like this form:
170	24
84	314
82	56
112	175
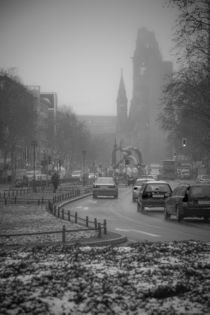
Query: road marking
137	231
82	208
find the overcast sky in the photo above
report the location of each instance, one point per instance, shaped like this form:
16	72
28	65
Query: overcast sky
77	48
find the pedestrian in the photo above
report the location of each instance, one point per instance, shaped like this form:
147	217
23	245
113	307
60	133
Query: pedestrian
55	181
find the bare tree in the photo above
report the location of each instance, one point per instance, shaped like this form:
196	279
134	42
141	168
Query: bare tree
17	115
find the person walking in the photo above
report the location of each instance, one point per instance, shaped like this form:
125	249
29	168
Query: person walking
55	181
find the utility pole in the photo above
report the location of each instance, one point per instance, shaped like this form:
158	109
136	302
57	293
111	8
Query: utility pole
34	145
83	166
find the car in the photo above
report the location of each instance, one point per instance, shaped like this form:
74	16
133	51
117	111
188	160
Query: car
37	175
189	200
105	186
137	186
92	176
203	179
76	175
153	194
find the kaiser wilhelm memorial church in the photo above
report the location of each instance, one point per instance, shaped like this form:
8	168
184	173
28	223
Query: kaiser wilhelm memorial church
136	125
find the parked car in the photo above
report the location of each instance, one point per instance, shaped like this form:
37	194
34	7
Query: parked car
92	176
137	186
203	179
105	186
76	175
189	200
38	175
153	194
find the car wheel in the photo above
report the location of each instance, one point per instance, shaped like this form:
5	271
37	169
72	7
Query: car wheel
166	214
178	214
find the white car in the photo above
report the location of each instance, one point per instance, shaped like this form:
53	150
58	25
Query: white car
203	179
38	175
77	175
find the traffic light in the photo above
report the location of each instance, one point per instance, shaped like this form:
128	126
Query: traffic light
184	142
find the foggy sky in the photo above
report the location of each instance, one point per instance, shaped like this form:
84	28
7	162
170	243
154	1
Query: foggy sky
77	48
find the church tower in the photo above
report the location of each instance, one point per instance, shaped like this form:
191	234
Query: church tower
122	111
149	72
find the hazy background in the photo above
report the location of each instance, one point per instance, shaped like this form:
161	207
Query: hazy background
77	48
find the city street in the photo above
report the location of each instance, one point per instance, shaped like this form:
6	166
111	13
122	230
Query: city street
122	217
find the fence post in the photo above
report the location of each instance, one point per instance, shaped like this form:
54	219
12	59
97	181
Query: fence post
69	216
87	221
75	217
64	234
95	223
99	230
105	227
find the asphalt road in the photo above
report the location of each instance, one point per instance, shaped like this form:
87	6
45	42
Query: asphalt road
122	217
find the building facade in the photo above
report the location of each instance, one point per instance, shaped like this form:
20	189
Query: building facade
150	73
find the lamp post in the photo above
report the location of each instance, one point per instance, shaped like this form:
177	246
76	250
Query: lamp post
34	145
83	165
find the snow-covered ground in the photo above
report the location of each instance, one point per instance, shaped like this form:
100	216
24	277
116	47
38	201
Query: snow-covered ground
143	278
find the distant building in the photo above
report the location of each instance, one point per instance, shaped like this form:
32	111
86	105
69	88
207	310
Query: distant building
149	75
138	126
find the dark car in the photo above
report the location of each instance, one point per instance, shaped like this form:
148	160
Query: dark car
105	186
189	200
137	186
153	194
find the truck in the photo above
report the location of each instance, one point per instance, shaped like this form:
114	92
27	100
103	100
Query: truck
155	170
169	169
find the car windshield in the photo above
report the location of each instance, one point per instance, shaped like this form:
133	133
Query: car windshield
139	182
158	187
200	191
105	180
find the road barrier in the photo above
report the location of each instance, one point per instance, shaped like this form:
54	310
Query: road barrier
55	207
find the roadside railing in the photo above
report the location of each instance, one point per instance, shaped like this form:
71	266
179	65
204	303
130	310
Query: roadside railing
19	197
55	206
60	212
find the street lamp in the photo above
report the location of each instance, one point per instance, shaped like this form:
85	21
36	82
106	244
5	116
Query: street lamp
34	145
83	165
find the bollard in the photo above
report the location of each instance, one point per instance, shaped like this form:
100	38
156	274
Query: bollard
69	216
105	227
87	221
63	213
99	230
64	234
75	217
58	212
